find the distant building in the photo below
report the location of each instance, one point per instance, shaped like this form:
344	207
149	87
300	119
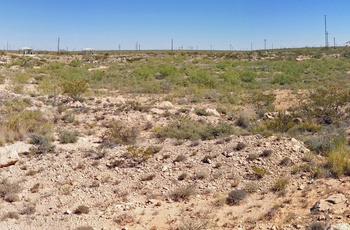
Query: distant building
89	51
26	50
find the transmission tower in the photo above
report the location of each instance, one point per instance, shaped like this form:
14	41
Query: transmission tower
325	31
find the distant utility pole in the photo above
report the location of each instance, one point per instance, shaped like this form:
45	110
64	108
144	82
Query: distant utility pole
334	42
265	44
7	49
119	47
325	31
58	45
251	46
230	47
172	44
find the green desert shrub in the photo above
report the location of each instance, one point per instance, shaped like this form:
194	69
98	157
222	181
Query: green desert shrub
328	104
280	184
323	143
18	122
260	172
166	71
139	154
66	136
231	77
202	78
185	128
282	79
120	133
74	88
338	162
42	144
248	76
2	79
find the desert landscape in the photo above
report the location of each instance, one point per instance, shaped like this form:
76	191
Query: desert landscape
179	140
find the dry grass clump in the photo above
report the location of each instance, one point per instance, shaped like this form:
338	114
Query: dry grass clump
280	184
180	158
200	175
84	228
285	161
17	122
260	172
82	209
183	193
10	215
251	187
8	190
124	218
271	213
120	133
182	176
266	153
29	209
148	177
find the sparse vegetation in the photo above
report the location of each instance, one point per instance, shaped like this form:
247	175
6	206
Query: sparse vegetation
114	102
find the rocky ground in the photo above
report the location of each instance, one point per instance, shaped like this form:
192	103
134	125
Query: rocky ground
183	185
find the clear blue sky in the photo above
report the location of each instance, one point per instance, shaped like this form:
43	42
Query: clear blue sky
202	24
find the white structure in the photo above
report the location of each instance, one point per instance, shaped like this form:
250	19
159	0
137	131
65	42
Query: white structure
89	51
26	50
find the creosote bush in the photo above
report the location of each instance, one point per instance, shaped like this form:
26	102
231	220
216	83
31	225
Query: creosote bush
185	128
240	146
328	104
235	197
42	144
120	133
67	136
74	88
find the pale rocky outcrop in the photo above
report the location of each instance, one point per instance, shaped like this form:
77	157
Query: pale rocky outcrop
9	154
342	226
335	204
